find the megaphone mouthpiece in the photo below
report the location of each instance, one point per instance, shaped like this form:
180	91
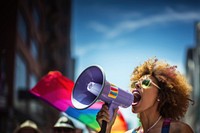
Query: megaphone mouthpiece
94	88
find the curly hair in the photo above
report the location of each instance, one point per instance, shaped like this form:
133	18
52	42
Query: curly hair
175	90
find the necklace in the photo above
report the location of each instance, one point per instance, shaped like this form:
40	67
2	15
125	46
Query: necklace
154	124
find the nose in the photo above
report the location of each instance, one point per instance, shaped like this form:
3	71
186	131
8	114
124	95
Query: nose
137	85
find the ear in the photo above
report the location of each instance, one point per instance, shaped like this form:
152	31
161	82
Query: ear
158	98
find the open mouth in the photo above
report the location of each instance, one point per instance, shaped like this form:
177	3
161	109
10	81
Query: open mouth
137	97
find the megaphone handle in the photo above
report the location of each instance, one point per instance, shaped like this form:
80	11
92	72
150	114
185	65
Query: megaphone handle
103	127
111	108
104	123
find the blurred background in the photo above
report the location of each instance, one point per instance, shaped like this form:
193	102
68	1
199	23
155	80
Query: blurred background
38	36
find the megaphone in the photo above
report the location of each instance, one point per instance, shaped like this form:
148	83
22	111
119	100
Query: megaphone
91	86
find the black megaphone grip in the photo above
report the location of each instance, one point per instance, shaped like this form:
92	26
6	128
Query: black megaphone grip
103	127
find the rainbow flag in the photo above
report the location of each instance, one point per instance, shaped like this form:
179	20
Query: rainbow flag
56	89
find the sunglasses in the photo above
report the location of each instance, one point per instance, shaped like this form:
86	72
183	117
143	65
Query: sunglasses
145	83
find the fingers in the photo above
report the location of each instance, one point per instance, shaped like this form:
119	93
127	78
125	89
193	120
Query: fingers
103	114
115	113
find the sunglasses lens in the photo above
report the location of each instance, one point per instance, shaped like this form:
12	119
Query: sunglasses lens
146	83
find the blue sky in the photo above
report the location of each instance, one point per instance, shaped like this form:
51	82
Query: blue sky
121	34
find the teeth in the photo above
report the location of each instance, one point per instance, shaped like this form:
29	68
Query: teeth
134	103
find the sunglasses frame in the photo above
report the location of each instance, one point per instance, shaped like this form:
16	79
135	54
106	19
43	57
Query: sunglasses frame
151	82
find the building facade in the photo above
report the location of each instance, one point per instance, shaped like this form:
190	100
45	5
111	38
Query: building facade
34	39
193	75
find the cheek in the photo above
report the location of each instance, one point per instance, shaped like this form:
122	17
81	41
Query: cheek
149	97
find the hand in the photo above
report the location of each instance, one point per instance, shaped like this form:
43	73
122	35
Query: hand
103	114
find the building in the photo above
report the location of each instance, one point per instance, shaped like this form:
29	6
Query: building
193	75
34	39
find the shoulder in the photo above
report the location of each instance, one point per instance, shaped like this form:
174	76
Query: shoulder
181	127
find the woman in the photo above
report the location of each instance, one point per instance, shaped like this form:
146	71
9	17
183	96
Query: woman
161	98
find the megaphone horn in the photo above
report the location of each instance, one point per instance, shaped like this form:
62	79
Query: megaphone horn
91	86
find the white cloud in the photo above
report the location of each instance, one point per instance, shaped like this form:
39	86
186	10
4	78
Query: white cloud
99	27
82	49
130	24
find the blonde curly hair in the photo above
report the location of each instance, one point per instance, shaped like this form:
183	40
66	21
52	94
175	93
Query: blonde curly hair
175	90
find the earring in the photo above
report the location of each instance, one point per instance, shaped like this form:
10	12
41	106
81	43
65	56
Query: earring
158	100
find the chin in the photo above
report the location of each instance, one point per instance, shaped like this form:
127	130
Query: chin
134	110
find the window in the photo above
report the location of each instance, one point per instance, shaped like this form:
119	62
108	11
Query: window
34	49
22	27
36	17
20	73
33	80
